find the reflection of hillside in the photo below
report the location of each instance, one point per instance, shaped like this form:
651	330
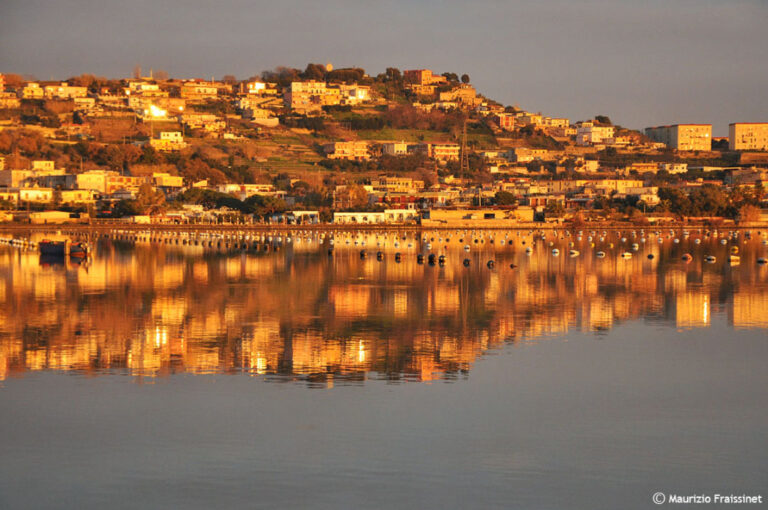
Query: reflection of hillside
153	311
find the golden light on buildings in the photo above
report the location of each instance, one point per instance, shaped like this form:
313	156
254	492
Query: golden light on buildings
329	321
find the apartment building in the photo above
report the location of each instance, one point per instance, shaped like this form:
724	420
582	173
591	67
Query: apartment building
506	121
65	91
526	155
243	191
422	77
76	196
141	87
748	136
590	134
32	90
261	88
683	137
43	165
43	195
531	119
207	121
308	96
168	141
103	181
9	195
199	91
674	168
558	122
396	184
15	178
440	151
395	148
353	151
464	94
165	180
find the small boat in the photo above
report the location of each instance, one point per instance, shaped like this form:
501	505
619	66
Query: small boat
54	248
63	248
79	250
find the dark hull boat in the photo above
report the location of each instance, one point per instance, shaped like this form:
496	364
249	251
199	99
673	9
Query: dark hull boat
53	248
62	248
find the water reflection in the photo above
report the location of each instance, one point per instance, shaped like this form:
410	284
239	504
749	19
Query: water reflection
299	314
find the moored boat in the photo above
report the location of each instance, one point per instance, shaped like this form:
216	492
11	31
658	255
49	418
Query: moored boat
78	249
54	248
63	248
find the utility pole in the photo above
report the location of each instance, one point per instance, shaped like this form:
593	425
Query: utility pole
464	156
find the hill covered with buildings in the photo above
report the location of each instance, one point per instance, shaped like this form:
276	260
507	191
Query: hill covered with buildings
338	141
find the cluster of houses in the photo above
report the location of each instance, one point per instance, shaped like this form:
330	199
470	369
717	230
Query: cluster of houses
397	199
450	192
522	171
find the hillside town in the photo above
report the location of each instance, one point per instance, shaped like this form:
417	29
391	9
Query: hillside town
325	145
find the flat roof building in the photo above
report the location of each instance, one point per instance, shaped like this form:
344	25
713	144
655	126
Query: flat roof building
683	137
748	136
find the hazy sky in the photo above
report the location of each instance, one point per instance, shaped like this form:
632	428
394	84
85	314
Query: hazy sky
640	62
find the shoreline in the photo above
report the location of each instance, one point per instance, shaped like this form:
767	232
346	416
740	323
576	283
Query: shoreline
330	227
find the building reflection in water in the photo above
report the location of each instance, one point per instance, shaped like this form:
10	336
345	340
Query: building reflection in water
299	314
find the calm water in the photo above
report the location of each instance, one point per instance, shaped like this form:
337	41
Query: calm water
146	377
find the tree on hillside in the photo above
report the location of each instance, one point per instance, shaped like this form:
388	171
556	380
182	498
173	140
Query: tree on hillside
283	76
148	200
451	76
603	119
352	196
749	213
465	78
314	72
554	209
346	75
393	74
505	198
13	80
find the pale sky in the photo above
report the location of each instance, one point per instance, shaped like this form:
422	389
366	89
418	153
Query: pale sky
642	63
